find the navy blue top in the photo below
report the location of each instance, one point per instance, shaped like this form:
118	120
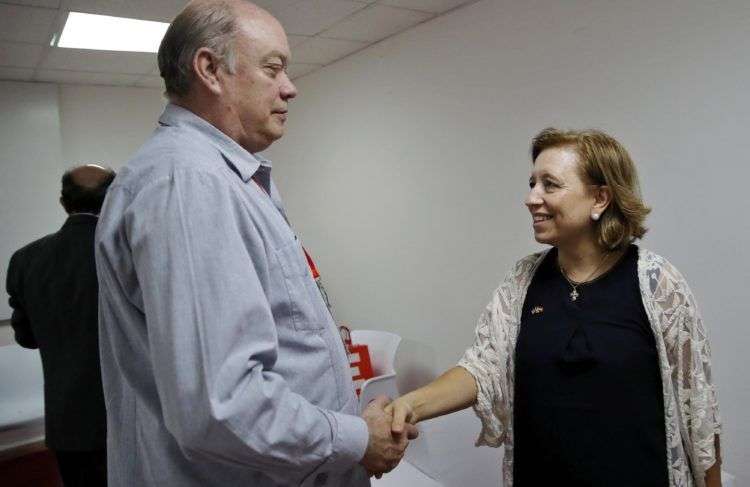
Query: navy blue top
588	395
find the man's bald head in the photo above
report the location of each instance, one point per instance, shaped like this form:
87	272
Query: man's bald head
202	23
84	188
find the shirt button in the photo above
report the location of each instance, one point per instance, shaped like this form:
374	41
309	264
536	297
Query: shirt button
321	479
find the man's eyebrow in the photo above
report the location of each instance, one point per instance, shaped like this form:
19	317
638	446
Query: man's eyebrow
276	54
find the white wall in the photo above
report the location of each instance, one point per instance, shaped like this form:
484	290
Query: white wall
405	165
105	125
47	128
30	169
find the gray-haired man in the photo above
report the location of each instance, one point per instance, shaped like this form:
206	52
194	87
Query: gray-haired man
221	363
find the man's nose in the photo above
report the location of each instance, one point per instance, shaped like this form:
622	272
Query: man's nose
288	90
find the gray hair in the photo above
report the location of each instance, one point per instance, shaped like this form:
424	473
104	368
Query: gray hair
200	24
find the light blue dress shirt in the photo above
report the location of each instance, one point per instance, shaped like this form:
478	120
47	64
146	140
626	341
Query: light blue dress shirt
221	364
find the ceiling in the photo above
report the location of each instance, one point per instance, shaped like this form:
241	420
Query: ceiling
320	32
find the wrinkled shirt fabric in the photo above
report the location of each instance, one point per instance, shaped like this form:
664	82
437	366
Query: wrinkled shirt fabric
691	413
221	363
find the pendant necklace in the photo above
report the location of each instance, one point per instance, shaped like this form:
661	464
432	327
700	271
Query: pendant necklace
573	284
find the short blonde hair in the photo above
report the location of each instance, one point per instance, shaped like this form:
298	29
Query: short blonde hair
604	161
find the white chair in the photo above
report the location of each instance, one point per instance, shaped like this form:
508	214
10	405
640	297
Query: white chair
445	452
382	346
405	475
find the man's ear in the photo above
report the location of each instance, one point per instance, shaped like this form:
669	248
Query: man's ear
62	202
206	68
602	198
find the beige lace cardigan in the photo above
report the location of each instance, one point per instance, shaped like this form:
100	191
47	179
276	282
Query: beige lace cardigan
691	412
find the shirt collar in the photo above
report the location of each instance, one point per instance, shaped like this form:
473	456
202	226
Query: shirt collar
242	162
79	218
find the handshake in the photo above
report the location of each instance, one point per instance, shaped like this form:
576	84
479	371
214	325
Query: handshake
390	433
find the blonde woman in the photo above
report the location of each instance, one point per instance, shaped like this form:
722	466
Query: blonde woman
591	364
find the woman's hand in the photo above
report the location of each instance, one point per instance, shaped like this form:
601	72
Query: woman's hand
456	389
403	412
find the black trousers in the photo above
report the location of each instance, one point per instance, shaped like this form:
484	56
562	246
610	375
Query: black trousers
82	468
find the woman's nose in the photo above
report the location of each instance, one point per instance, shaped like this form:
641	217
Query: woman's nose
532	198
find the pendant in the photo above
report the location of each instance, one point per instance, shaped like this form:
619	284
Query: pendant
574	294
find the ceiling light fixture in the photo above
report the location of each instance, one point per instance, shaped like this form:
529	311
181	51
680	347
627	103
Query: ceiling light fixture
105	33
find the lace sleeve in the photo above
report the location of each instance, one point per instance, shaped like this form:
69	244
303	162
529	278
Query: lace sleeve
689	355
489	359
482	360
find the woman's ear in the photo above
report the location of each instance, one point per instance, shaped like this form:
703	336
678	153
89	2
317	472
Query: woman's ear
602	199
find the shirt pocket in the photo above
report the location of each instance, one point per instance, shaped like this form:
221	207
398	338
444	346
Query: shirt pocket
304	303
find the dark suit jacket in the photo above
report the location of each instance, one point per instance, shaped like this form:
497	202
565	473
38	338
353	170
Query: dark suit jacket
53	292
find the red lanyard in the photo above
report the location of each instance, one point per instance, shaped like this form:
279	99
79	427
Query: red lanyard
344	331
313	268
310	262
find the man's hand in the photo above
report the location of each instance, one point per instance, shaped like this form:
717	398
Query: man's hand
384	449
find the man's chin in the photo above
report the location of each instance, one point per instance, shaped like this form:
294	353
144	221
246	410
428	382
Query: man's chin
261	142
275	134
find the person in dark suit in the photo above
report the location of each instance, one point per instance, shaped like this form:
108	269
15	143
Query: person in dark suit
53	291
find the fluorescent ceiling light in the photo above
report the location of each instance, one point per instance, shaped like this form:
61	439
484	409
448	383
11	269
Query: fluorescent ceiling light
105	33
